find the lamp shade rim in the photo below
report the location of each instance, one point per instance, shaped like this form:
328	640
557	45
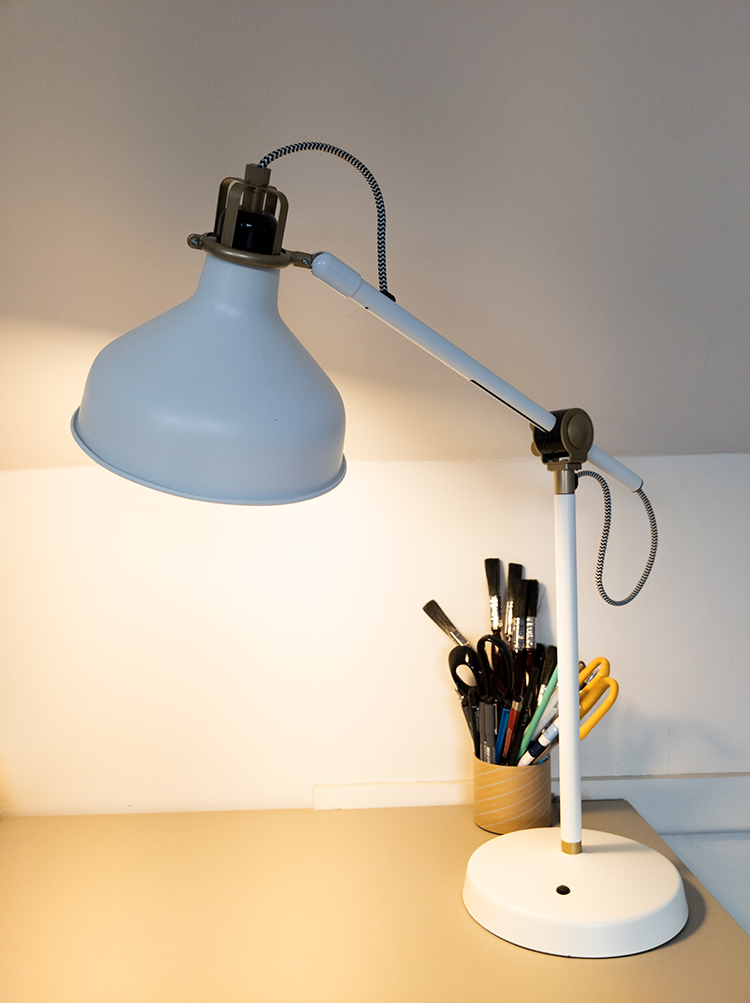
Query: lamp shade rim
244	500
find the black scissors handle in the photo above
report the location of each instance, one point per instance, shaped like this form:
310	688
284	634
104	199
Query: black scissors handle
462	656
465	656
500	682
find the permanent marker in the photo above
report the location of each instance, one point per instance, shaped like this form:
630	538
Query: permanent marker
515	571
518	632
487	731
530	668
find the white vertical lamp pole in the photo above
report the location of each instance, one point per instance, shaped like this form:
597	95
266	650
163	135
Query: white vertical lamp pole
566	585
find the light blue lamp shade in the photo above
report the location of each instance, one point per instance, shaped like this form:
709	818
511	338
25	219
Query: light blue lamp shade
216	399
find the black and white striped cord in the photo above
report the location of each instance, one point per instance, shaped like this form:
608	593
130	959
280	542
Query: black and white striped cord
336	151
377	194
605	539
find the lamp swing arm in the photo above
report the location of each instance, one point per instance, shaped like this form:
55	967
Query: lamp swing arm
349	283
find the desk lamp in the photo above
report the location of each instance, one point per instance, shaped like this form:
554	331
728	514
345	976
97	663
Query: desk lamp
217	400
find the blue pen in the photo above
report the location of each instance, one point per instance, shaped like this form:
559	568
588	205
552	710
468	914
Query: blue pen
547	738
501	727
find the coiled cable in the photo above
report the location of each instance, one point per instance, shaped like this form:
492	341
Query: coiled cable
605	539
336	151
377	194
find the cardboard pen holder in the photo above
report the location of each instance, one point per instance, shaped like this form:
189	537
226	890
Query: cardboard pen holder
507	798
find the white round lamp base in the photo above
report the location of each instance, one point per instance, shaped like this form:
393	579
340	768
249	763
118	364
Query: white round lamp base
615	898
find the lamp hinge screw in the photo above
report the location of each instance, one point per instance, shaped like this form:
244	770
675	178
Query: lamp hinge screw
302	259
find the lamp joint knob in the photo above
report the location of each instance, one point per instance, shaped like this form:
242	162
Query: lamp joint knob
568	441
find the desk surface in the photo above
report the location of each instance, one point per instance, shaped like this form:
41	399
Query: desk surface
314	907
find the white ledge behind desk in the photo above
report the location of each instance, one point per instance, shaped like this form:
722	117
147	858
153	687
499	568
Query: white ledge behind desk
674	805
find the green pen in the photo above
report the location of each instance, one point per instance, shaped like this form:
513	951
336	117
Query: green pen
544	698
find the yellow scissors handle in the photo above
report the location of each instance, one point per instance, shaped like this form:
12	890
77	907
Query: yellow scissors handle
591	697
598	668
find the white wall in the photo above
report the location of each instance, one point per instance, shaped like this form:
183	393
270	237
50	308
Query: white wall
566	183
161	654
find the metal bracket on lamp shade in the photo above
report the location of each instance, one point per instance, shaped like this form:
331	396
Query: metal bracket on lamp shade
254	203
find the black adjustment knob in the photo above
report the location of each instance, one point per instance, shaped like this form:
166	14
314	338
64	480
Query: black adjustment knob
570	439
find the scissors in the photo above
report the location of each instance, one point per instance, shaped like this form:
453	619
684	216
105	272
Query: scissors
499	681
480	699
594	681
503	677
510	688
463	656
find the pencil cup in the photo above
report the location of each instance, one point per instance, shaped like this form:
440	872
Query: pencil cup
507	798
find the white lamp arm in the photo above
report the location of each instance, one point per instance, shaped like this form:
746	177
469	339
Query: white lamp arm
629	898
345	280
